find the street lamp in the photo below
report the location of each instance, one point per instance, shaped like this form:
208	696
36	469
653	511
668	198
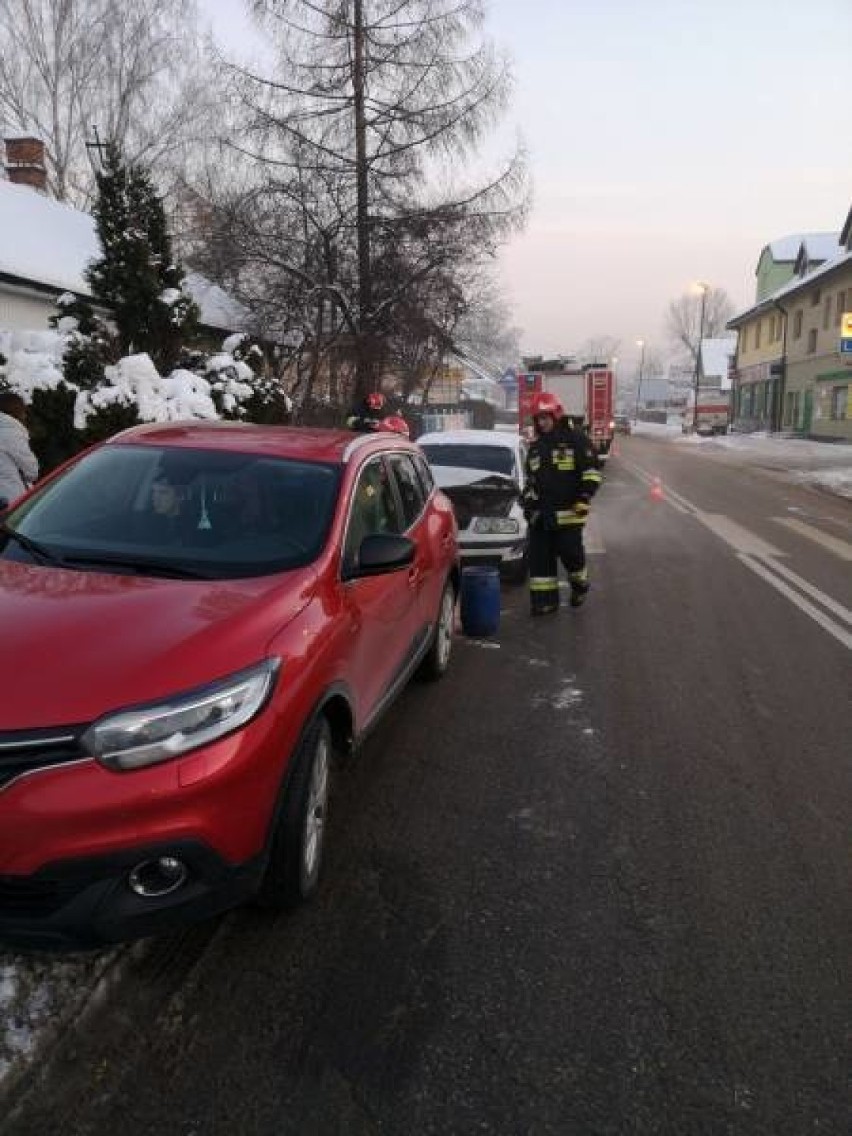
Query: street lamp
703	288
639	343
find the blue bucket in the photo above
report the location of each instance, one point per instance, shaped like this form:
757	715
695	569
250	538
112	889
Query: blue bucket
480	601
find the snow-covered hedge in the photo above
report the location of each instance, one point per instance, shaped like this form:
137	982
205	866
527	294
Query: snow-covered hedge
131	390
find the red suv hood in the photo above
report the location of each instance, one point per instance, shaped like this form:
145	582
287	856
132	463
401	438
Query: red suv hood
74	645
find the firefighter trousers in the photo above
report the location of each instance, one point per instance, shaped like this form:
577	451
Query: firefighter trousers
547	548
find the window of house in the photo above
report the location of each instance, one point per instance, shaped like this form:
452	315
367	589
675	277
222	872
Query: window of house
826	313
757	328
839	403
812	340
797	324
816	297
841	306
743	340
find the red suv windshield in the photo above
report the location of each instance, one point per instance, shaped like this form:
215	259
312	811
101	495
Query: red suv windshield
181	512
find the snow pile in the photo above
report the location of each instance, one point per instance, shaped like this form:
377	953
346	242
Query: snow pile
33	360
35	991
135	381
230	377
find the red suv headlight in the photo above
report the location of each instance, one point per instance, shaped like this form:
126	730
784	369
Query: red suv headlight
146	735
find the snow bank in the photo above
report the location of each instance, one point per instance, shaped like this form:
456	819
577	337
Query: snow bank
34	360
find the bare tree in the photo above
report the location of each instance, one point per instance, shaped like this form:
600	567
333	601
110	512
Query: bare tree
683	319
600	349
485	331
374	105
133	70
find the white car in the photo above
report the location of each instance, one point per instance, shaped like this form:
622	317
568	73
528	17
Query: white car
482	473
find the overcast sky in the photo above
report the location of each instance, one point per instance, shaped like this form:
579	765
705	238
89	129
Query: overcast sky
669	140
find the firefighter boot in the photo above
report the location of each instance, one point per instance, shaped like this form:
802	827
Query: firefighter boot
579	588
544	595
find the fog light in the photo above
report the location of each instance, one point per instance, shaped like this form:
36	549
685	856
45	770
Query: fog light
154	878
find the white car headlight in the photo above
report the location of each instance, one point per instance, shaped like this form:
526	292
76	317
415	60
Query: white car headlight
503	526
132	739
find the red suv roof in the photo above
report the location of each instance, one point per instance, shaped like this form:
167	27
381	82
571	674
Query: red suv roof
305	443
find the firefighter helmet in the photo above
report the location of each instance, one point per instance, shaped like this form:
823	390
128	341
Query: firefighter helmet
376	400
395	424
547	403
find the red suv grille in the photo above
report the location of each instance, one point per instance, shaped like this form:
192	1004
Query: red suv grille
23	751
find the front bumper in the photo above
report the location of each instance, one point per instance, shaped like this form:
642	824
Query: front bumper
88	903
489	550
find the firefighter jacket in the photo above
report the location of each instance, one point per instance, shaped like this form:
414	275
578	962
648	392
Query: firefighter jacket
363	418
561	478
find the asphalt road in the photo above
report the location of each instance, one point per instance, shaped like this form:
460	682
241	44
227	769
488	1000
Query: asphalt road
596	883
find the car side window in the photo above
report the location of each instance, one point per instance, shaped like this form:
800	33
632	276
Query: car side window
427	481
410	490
374	509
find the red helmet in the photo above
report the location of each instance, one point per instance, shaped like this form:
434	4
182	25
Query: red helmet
547	403
394	424
376	400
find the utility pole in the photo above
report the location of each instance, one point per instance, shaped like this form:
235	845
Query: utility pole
704	288
639	343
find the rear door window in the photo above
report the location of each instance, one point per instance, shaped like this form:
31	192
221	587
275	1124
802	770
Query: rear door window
374	509
409	487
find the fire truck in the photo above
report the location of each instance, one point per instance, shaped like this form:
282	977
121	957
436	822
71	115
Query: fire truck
586	391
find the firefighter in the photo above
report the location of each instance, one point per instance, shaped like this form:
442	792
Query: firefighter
561	479
368	413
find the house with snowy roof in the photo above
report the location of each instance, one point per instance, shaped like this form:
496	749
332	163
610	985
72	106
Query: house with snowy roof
45	246
783	258
790	372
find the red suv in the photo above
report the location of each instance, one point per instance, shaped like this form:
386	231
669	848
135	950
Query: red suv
195	620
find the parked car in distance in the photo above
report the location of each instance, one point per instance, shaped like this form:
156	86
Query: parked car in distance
623	424
482	472
197	619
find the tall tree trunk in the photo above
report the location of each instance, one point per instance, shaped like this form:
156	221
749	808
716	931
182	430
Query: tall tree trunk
364	378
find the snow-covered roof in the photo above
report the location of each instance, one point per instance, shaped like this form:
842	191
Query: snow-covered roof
218	309
46	242
818	246
841	258
715	356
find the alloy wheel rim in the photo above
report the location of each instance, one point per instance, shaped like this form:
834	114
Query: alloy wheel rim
445	630
316	809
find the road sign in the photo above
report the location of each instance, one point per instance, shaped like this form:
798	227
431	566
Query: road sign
846	346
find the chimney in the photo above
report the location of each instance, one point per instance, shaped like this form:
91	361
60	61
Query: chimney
25	162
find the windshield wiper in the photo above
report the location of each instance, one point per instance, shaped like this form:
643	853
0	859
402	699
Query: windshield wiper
139	566
32	546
